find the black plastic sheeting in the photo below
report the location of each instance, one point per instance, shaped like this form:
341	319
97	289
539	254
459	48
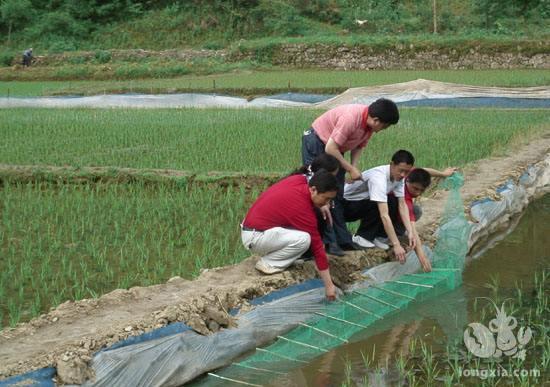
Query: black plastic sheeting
481	102
458	102
301	97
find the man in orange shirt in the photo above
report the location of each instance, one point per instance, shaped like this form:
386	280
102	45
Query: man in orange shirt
337	131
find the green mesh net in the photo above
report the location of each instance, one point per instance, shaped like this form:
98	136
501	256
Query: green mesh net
359	309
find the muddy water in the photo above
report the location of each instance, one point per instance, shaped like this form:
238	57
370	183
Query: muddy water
439	322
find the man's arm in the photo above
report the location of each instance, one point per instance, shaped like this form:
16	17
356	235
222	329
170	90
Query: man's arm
424	261
307	221
355	154
444	173
390	231
404	213
332	149
330	289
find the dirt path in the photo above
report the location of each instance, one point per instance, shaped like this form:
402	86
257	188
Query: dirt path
68	336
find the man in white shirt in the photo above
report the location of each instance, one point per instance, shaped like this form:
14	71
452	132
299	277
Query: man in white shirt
367	200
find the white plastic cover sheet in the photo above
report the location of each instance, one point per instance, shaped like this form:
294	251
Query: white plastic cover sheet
398	92
423	89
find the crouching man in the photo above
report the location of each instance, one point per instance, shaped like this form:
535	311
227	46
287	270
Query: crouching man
282	224
368	200
416	182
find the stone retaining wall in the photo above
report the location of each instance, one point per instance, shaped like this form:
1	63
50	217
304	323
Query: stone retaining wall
532	55
400	57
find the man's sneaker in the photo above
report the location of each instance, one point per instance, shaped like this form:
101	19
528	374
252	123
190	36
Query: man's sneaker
353	247
334	249
379	242
267	268
362	241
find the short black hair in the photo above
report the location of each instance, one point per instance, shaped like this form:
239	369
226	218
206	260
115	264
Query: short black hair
323	181
325	161
420	176
403	156
385	110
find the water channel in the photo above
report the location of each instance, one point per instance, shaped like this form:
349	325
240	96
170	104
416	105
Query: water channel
512	261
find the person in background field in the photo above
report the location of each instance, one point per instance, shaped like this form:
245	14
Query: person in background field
337	131
27	57
281	224
367	200
416	182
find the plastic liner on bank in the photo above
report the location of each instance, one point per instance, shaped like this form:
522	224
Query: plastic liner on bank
420	92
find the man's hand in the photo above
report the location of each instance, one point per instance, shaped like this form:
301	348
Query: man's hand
330	292
449	171
426	264
325	213
399	253
412	240
355	174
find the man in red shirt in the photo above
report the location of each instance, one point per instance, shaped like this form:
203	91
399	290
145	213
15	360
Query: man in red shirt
282	224
337	131
416	182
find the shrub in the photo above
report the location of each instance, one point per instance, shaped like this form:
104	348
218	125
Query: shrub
6	58
103	56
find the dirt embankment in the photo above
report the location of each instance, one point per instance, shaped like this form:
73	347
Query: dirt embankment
90	175
68	336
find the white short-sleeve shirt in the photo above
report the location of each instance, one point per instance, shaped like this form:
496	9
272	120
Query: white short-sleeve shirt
376	186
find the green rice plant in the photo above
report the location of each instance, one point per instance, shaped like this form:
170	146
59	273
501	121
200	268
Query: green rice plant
457	359
429	366
257	82
14	310
348	381
71	242
249	140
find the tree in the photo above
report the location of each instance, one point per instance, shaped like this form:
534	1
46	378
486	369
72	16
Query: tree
15	13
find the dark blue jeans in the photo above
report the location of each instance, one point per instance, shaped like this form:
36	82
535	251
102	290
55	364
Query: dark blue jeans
371	225
313	146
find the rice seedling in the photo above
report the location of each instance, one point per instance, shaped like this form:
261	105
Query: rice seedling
429	366
73	242
421	365
493	371
278	81
348	381
249	140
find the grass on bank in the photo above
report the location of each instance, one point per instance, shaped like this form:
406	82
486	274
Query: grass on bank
255	82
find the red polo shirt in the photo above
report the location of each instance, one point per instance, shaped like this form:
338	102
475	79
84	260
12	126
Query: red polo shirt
410	203
288	204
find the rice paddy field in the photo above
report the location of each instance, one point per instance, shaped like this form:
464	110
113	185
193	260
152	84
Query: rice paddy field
275	81
63	242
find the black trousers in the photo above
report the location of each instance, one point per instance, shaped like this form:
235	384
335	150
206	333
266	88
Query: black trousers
367	212
313	146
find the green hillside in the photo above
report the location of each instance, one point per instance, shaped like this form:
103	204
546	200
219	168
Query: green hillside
67	25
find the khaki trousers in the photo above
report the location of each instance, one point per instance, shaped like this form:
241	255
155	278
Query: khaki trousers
278	247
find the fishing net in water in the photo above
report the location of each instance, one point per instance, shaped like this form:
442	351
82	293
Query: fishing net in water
383	293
